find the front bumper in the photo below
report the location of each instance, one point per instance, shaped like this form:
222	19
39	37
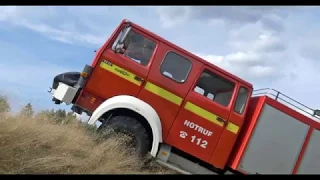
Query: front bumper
63	93
66	86
68	78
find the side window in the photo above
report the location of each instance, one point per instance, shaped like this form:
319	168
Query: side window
241	100
215	87
138	48
175	67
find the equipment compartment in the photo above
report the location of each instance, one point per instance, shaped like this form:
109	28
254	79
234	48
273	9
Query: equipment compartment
275	143
310	163
275	138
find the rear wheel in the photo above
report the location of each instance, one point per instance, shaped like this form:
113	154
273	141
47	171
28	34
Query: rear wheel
131	127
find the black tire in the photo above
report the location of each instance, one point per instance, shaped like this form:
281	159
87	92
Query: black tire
69	78
130	126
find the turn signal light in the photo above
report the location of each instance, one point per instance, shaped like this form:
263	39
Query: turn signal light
84	74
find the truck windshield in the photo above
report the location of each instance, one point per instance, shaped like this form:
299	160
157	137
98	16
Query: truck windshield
139	48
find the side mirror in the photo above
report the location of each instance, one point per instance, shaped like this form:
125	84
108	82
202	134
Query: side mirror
118	46
316	112
124	34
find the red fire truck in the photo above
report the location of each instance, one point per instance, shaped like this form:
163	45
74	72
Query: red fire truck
191	115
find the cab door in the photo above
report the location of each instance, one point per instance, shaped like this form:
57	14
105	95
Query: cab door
230	134
171	75
205	112
123	73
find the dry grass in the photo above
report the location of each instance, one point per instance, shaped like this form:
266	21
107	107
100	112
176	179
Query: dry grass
41	146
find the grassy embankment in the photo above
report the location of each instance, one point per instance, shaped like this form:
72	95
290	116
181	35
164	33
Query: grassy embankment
42	144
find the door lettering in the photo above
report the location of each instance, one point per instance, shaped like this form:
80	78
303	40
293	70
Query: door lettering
198	128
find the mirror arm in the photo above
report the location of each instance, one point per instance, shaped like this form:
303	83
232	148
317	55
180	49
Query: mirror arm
119	46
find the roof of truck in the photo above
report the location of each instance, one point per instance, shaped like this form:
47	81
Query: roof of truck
190	54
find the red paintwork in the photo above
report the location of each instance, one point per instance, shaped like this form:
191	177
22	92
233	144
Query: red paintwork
103	85
167	110
224	148
226	143
253	113
192	148
81	100
255	108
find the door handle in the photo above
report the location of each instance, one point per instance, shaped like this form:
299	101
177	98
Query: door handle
221	120
139	78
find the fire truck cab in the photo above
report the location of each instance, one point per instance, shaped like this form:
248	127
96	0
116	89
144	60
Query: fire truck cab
191	115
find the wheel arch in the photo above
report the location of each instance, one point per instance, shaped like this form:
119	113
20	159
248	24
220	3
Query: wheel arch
136	108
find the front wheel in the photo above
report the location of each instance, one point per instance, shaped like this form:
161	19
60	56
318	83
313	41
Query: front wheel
133	128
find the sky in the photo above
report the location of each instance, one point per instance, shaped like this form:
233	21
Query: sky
275	47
